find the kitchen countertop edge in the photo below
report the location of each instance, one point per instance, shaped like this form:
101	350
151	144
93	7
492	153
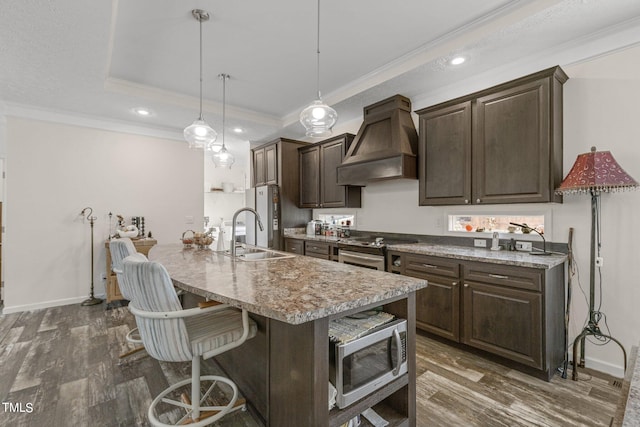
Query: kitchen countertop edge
513	258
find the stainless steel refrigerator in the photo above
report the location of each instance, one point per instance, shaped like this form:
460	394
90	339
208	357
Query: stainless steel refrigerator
265	200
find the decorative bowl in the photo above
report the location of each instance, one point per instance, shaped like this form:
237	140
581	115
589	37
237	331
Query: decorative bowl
129	231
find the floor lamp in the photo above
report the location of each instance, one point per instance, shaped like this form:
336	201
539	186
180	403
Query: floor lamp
91	300
594	173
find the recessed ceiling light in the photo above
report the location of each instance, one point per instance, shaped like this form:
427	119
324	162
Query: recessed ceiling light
238	130
458	60
144	112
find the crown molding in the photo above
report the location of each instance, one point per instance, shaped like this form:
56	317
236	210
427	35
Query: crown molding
126	87
74	119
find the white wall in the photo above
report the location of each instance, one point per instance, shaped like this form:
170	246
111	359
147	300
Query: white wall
601	109
53	172
218	204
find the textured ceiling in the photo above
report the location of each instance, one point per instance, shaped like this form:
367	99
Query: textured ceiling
99	60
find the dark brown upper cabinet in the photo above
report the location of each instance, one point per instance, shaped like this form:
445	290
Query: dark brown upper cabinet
318	175
500	145
265	164
276	162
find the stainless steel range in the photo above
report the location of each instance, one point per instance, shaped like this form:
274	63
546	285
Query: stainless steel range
368	252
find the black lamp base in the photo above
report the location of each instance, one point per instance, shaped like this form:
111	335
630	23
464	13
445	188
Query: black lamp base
91	301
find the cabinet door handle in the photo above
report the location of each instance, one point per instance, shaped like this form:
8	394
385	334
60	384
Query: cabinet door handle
454	284
478	200
429	266
466	285
466	201
498	276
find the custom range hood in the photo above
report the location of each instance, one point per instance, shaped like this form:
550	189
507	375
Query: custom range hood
385	147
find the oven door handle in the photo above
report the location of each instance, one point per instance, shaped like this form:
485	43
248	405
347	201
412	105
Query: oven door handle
362	257
396	336
352	255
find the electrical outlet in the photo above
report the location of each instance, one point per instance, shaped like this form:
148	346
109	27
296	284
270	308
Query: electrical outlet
479	243
599	261
523	246
188	219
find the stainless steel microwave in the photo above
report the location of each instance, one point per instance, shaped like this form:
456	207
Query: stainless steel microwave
362	366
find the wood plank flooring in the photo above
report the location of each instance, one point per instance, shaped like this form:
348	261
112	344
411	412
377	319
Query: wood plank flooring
64	362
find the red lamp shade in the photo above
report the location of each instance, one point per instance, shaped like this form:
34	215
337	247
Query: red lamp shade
596	171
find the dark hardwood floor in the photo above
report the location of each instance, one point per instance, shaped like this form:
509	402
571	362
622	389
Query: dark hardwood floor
61	366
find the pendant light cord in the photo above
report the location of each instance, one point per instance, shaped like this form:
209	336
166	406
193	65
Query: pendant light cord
200	21
224	78
318	55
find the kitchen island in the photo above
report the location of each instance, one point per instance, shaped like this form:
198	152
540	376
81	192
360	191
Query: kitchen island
284	370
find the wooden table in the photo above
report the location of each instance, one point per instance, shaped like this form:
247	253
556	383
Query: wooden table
284	370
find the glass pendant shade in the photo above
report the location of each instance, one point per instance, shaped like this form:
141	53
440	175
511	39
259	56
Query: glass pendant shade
223	158
199	134
318	119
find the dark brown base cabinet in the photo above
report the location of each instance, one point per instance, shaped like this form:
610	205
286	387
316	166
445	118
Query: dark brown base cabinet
312	248
295	246
512	312
438	305
500	145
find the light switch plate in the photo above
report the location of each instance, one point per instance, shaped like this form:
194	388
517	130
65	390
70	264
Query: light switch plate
523	246
479	243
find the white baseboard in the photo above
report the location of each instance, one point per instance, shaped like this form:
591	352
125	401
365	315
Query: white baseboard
45	304
616	371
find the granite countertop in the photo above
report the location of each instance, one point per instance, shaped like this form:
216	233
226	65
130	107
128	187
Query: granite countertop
628	412
515	258
293	290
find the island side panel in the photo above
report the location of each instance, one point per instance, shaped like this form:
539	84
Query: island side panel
299	373
404	400
248	367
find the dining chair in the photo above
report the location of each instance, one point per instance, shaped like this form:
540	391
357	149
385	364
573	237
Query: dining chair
120	249
173	334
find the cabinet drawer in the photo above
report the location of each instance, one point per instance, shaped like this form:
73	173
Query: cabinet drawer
317	249
516	277
418	265
294	246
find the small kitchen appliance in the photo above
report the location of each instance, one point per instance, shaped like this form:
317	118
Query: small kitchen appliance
359	367
313	227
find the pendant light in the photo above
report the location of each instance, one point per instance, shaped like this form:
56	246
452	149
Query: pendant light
199	134
223	158
318	118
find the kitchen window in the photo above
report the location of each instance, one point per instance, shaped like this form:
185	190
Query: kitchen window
489	223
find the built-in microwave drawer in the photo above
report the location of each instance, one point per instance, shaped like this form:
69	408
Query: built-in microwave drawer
416	265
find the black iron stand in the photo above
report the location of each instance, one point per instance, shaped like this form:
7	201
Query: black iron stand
92	300
592	328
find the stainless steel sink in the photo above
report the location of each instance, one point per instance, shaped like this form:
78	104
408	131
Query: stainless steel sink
258	254
266	255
